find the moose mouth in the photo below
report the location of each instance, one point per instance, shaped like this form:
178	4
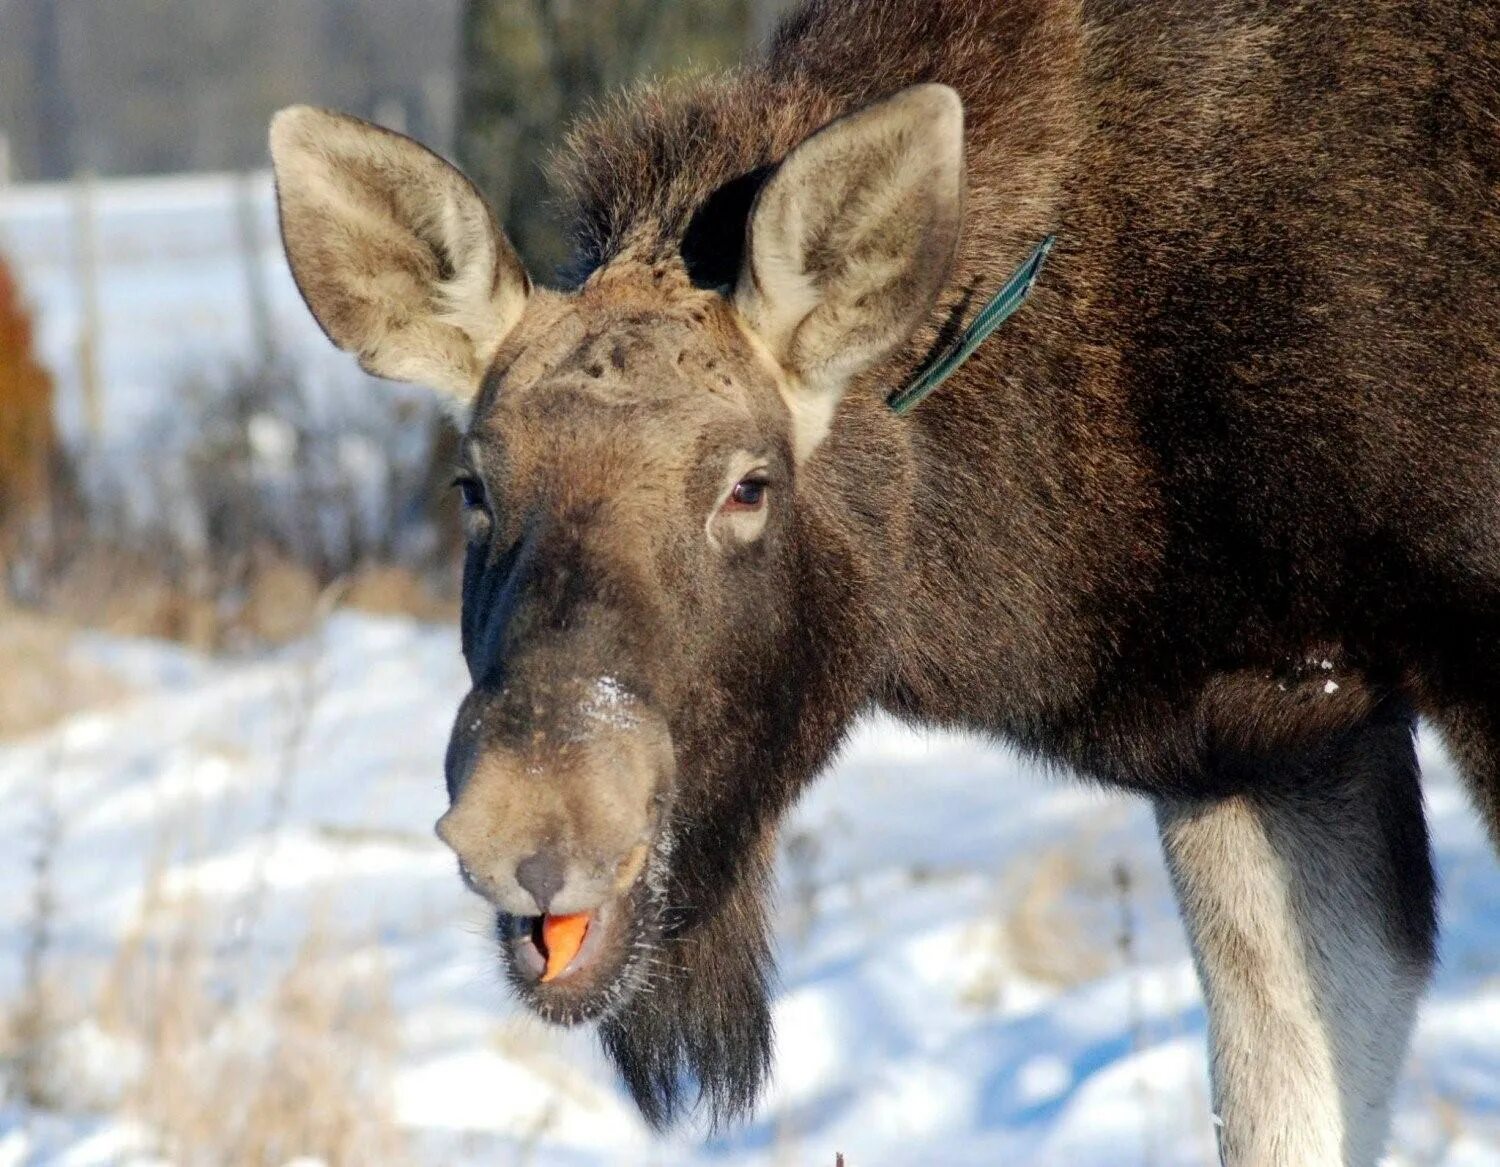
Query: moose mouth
572	969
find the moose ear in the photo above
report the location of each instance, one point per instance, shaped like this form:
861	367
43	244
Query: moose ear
395	252
850	242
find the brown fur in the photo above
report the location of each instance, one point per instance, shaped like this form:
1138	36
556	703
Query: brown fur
1246	425
1253	388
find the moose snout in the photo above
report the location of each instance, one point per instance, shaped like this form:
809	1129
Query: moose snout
559	829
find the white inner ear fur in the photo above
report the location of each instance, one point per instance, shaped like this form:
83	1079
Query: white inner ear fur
394	250
475	299
740	526
811	413
850	243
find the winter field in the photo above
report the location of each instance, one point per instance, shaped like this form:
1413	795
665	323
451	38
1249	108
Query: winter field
227	914
228	934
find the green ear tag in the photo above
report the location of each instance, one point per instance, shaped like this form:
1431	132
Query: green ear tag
990	317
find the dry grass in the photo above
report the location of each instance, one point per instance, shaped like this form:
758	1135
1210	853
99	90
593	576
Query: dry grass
41	682
222	530
1051	924
260	600
217	1069
1055	924
32	1022
304	1071
385	589
228	1075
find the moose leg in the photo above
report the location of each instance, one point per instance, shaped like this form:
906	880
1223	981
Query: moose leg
1310	906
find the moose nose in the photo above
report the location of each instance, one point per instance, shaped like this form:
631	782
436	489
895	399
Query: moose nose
559	824
541	874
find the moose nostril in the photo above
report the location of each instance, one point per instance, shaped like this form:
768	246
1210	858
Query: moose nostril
542	875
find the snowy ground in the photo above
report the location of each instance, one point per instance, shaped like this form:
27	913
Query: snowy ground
979	963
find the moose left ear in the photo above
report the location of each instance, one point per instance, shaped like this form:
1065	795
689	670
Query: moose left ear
850	242
394	250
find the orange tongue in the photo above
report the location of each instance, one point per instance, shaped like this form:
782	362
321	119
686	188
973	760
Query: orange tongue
562	937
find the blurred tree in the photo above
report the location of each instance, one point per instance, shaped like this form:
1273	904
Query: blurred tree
158	86
28	440
54	131
528	67
33	78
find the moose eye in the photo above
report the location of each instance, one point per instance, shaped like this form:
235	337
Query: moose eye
471	491
748	494
476	507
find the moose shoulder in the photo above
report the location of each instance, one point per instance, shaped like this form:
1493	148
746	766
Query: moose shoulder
1213	518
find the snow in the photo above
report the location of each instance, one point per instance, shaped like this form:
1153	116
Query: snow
980	962
607	703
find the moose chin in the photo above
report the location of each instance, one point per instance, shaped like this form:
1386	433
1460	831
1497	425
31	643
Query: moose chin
1203	507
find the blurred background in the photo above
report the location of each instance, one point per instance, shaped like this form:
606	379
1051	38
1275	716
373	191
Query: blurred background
228	570
162	408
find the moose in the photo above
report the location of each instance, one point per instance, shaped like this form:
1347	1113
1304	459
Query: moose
1214	517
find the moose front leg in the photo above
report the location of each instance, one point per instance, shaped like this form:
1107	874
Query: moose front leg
1310	907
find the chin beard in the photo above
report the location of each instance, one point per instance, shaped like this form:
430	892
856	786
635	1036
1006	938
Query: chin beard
696	1037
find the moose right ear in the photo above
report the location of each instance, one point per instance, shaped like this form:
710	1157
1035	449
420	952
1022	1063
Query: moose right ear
395	252
849	244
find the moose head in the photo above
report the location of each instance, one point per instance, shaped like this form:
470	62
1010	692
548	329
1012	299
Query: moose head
683	548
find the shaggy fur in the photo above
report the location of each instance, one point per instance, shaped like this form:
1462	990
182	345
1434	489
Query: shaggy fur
1210	519
1243	440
